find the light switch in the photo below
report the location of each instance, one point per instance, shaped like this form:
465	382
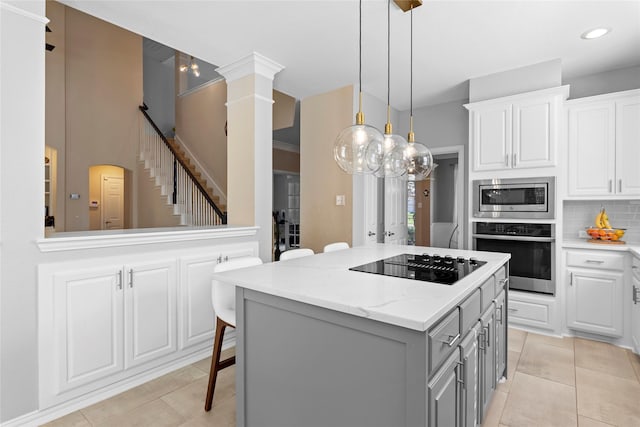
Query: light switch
340	199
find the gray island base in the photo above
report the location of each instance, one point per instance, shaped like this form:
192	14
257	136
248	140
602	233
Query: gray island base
319	345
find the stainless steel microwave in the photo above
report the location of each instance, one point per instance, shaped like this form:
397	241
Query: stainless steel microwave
529	198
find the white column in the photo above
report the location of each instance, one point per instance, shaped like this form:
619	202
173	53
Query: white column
249	144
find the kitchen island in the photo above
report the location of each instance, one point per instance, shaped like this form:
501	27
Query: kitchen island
320	345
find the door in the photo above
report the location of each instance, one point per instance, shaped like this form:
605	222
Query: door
112	196
444	394
469	354
88	321
501	336
534	133
150	311
635	307
371	213
395	211
491	137
594	299
487	365
628	146
592	149
422	218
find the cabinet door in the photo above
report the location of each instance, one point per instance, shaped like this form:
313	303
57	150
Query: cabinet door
635	314
196	316
487	365
501	337
491	137
150	311
628	146
444	394
594	301
469	354
534	132
88	325
591	149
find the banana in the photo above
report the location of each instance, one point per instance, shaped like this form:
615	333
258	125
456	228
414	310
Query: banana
598	221
605	219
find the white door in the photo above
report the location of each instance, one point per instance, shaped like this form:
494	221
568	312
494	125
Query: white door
112	202
534	135
395	211
592	149
150	311
594	299
370	208
628	146
88	325
491	137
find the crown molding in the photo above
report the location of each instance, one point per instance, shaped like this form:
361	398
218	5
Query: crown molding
25	13
254	63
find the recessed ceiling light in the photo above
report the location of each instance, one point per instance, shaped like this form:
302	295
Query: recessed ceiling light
595	33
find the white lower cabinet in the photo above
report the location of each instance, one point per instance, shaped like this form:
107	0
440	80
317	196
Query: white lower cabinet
103	321
88	326
595	295
635	304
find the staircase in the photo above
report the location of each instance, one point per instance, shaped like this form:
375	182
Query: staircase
178	179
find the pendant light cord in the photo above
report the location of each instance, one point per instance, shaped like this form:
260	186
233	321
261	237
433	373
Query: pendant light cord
411	67
388	67
360	47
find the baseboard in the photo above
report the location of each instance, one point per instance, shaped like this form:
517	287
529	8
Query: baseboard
43	416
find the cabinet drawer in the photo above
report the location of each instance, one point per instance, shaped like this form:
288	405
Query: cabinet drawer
500	277
488	292
443	338
526	310
595	259
470	311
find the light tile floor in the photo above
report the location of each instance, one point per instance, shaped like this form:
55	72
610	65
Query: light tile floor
552	382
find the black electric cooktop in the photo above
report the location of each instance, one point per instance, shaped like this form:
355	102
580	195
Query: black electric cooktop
445	270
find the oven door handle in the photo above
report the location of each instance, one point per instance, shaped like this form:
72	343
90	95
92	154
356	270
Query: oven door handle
514	237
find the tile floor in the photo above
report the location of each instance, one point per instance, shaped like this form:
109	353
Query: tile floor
552	382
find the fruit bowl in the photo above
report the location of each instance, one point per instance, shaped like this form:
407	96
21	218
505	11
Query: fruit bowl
605	233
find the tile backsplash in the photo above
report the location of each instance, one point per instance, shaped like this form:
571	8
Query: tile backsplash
577	215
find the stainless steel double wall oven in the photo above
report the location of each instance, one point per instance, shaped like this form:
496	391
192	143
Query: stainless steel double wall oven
531	245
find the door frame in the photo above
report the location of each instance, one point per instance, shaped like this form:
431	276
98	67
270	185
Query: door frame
461	189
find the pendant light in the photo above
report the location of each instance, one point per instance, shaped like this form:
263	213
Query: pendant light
420	160
358	148
394	163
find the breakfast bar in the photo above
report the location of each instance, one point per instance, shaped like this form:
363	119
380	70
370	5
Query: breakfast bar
319	344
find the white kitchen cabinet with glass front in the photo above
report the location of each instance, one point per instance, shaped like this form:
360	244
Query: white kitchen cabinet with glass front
604	149
516	132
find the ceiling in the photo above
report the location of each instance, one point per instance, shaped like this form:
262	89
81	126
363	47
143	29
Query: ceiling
316	41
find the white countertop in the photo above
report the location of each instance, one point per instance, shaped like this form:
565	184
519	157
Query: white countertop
633	247
324	280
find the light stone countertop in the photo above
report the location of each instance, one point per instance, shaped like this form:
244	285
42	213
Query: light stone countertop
633	247
324	280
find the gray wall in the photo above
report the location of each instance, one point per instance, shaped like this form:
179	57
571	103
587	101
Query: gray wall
607	82
442	189
159	92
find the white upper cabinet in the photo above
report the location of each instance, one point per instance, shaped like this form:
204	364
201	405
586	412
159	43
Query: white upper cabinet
604	146
519	131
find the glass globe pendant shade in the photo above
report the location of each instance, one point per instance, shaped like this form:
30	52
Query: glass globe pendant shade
394	162
358	149
420	161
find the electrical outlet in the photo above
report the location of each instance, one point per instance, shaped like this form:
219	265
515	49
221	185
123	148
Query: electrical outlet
340	200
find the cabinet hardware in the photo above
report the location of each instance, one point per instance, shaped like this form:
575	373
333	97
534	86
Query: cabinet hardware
499	319
389	233
226	258
634	267
131	278
594	261
371	233
488	336
513	162
481	341
570	279
610	186
119	283
620	185
513	310
635	294
506	160
504	283
462	381
219	259
451	340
